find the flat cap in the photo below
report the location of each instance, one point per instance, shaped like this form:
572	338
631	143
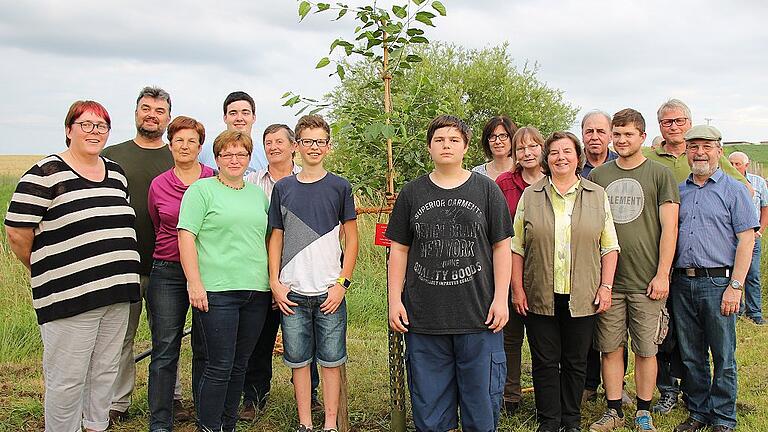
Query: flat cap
704	132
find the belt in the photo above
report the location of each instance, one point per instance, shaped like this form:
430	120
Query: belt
705	272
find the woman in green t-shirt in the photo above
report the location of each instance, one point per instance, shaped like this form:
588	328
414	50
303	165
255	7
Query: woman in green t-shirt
222	233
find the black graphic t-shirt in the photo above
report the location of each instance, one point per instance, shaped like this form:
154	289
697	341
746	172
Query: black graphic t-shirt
449	277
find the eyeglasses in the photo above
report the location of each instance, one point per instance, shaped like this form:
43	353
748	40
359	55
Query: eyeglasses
229	156
89	126
307	142
530	147
680	121
695	147
501	136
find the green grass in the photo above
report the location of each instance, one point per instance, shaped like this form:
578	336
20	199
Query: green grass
21	385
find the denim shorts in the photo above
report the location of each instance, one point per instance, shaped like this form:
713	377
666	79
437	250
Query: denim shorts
310	334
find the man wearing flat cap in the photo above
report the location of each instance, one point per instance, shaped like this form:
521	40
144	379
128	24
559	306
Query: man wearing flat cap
714	249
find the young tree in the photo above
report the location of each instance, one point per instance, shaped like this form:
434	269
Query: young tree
472	84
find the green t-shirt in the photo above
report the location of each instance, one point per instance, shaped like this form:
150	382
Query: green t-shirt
230	228
141	166
635	196
679	164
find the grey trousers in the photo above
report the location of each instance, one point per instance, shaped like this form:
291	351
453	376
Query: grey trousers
80	356
126	375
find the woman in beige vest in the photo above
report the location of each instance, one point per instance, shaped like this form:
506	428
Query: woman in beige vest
564	256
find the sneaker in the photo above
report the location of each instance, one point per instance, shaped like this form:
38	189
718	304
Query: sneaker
588	396
247	411
625	399
666	403
644	421
756	320
608	422
303	428
180	412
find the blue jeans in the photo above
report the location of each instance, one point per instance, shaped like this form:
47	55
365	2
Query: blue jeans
703	329
311	334
167	306
451	372
225	337
753	289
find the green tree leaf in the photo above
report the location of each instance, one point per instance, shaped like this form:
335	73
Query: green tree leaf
413	58
342	12
424	17
323	63
322	7
399	11
340	71
304	8
436	5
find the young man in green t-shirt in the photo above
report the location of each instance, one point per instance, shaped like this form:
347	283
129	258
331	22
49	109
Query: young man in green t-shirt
644	202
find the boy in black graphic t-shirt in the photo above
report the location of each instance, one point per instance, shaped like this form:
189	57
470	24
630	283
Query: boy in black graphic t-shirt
449	273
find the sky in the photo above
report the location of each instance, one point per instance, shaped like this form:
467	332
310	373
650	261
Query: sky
606	55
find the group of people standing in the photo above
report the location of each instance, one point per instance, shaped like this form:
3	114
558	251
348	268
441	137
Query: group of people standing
581	247
591	249
248	245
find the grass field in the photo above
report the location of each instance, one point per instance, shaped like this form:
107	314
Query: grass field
21	385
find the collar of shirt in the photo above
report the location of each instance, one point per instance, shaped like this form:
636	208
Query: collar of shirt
570	191
715	177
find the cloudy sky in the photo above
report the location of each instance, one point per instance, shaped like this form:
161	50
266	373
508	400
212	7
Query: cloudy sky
602	54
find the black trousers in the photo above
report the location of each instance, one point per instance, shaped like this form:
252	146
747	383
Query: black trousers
559	346
258	376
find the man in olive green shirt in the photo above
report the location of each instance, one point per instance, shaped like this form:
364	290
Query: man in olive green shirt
674	121
142	159
674	118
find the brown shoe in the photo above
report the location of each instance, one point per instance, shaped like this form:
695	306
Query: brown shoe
721	428
116	416
247	411
608	422
180	412
690	425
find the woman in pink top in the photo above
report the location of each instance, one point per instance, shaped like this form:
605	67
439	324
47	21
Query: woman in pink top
167	297
526	151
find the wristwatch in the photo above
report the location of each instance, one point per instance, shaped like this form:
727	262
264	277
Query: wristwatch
608	287
735	284
344	282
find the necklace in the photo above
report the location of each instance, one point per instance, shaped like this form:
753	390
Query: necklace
231	187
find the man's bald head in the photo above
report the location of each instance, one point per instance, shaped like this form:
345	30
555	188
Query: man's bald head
740	161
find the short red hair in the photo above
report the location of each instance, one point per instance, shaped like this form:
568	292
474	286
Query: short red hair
184	122
81	107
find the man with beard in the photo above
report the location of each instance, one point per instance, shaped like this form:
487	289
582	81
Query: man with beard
674	118
142	159
644	202
717	233
596	135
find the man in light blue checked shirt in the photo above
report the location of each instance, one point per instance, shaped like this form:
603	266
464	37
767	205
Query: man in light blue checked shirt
716	236
752	306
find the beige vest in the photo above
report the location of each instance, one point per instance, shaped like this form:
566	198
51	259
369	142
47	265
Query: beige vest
586	228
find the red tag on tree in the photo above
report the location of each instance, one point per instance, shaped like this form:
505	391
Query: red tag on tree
381	239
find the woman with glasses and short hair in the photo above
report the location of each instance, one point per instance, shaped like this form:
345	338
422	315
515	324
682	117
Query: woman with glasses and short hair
526	148
222	245
497	146
70	224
